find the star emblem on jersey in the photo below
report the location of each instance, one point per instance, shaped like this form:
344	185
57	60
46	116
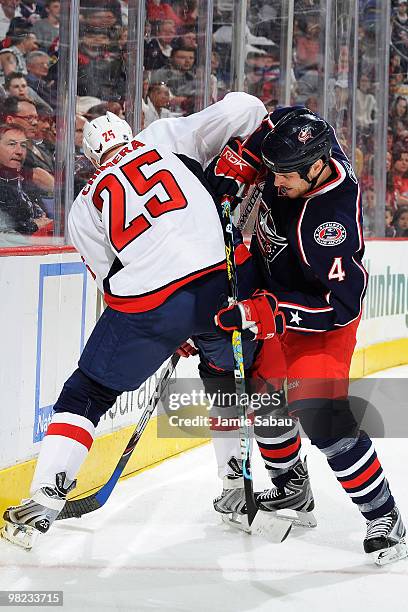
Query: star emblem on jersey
295	318
330	234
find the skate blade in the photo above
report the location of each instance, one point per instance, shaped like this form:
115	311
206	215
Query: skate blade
298	518
390	555
238	521
264	524
19	535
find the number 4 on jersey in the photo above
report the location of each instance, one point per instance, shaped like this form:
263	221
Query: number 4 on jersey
336	272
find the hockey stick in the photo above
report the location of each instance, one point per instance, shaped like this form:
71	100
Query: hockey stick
258	521
78	507
252	200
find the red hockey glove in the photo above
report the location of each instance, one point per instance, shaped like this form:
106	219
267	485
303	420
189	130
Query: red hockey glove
233	171
258	318
186	350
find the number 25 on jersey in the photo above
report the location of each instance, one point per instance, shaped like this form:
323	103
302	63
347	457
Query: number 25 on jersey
120	234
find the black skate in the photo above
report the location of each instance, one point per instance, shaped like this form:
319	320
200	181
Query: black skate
294	502
231	505
385	539
36	515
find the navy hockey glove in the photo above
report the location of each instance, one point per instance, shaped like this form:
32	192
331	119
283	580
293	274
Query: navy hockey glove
234	171
257	318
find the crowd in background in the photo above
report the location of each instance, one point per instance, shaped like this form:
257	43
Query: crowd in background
173	85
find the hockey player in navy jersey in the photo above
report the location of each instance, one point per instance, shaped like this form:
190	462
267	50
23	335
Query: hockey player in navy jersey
308	244
148	229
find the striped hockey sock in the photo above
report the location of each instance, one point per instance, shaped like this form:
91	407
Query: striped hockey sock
64	448
280	451
358	470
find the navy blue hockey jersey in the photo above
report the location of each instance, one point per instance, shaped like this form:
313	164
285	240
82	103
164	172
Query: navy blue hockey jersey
310	249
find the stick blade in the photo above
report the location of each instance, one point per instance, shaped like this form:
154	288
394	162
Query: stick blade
265	524
76	508
270	527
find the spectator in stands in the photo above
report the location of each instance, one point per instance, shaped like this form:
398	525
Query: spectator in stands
401	14
100	18
113	5
16	85
24	114
115	107
366	105
312	103
369	207
28	10
7	13
158	49
400	177
23	41
38	66
400	222
96	111
390	139
219	76
399	112
188	39
83	167
47	29
20	210
390	231
307	85
307	45
158	11
100	69
43	147
180	78
157	105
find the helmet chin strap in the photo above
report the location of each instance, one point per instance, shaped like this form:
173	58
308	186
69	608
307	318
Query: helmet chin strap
312	182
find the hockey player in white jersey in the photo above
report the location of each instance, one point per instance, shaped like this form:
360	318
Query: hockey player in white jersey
149	231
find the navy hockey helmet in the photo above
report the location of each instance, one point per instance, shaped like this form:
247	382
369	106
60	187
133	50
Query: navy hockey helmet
298	139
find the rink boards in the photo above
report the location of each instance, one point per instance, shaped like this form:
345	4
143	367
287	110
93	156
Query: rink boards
48	309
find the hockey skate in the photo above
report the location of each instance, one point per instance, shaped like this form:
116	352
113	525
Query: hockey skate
35	515
294	502
231	502
231	505
385	538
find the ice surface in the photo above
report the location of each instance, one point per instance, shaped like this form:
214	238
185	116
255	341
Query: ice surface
158	545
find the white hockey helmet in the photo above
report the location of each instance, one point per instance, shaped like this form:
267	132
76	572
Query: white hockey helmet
103	134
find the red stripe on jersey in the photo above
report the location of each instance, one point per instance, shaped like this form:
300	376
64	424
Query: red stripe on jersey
144	303
71	431
278	453
363	477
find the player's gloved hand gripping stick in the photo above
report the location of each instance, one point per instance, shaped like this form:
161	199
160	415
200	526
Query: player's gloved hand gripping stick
257	521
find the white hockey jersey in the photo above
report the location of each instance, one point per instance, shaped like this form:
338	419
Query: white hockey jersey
144	224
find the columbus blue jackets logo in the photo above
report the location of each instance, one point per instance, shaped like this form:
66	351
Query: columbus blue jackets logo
330	234
305	134
270	243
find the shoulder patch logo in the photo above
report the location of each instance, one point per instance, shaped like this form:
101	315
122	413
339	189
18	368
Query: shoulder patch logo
330	233
305	134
